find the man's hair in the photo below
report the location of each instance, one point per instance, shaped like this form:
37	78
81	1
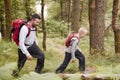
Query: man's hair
34	16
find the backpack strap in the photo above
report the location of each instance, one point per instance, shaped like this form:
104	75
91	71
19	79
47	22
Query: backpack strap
27	27
29	30
74	36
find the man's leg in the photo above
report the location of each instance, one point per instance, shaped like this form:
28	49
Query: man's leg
36	52
21	61
81	59
39	65
40	61
65	63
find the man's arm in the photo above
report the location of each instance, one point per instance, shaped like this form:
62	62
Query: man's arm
22	36
36	40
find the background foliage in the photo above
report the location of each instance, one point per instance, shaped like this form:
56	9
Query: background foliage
57	30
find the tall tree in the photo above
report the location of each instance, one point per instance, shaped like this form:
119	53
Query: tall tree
91	22
2	30
28	9
99	25
2	25
115	26
69	14
43	26
81	11
75	15
61	8
8	18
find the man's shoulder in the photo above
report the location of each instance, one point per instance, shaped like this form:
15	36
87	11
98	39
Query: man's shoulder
24	27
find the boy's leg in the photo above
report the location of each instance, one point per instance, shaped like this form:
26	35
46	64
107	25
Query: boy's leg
36	52
81	59
65	63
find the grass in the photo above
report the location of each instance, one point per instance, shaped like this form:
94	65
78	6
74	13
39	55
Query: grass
7	52
54	55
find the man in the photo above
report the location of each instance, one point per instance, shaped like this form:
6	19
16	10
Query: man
28	47
72	52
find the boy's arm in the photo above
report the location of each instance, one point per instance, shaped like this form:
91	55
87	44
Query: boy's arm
73	47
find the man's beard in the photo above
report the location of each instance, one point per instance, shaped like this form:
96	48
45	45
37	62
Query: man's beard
34	25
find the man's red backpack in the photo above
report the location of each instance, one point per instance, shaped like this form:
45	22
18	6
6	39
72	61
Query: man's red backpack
68	40
16	26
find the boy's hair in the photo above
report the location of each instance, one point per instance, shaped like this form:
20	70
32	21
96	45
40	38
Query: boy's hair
34	16
83	29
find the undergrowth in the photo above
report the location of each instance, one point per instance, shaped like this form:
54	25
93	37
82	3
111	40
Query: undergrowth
107	63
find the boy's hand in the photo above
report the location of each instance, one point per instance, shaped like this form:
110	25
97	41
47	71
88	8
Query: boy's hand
73	60
29	57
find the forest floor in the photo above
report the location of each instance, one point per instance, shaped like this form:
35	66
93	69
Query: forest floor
6	70
97	68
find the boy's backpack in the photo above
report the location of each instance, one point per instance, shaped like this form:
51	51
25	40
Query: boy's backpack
68	40
16	26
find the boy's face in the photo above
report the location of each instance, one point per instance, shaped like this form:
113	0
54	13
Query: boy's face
82	33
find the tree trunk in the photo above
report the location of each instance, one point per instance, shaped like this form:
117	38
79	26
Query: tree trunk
75	15
2	19
28	10
99	26
81	11
2	28
8	18
115	26
91	22
43	26
61	9
69	14
91	76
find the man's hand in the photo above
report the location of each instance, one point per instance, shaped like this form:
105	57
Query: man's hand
29	57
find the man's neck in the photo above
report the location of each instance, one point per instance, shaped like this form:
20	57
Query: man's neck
30	23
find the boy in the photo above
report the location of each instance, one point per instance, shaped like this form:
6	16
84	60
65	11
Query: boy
72	51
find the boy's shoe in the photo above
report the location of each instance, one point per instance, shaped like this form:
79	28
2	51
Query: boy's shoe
85	71
15	73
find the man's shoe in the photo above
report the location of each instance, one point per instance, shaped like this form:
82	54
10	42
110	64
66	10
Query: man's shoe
59	71
15	73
